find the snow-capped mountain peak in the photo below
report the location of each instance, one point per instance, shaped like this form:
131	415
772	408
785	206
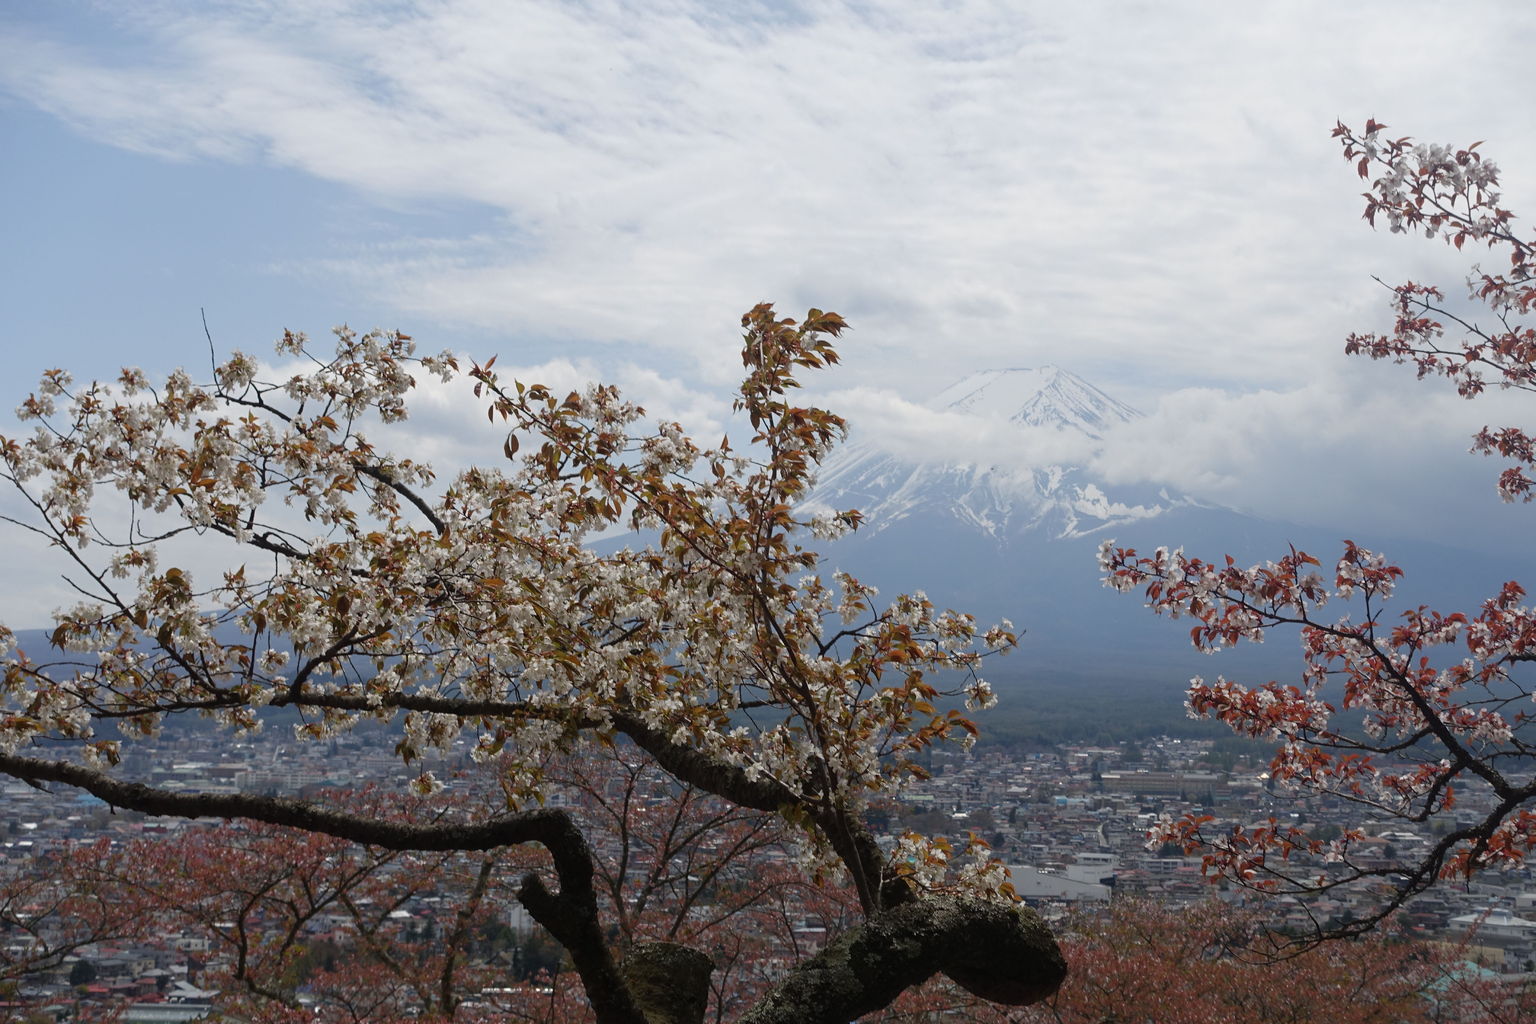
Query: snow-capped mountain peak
995	497
1047	396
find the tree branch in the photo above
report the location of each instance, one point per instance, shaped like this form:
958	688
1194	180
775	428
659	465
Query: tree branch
570	915
849	836
536	826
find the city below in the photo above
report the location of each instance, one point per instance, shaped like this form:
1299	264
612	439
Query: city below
1071	823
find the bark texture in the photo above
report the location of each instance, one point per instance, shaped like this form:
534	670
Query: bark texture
1000	952
669	981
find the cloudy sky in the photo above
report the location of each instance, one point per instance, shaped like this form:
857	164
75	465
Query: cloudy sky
1143	193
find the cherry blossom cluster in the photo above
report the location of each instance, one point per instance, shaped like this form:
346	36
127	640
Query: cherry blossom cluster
1452	193
356	585
935	865
1423	726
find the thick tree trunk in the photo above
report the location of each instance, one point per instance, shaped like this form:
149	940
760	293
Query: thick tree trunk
997	951
668	981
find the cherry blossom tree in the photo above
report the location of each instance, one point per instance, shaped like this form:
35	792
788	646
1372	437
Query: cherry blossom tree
50	908
1138	960
365	934
1196	965
281	908
1412	714
348	584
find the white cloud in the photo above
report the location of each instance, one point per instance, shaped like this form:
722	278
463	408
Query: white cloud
1142	186
918	433
1351	448
1145	194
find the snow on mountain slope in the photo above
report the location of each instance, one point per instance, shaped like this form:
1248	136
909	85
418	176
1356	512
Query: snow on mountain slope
1045	397
997	499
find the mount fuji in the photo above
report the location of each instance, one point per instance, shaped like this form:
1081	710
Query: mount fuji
1015	533
1000	500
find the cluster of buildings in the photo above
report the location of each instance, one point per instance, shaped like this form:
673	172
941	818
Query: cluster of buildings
1070	822
1073	822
